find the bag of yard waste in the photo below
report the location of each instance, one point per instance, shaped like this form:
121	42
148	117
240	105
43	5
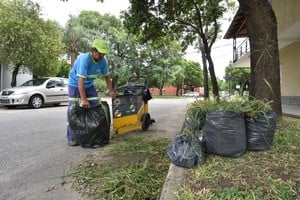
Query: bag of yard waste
225	133
186	151
260	130
90	127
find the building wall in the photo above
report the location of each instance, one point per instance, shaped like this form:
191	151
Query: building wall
290	73
288	25
6	75
170	90
167	90
287	13
244	61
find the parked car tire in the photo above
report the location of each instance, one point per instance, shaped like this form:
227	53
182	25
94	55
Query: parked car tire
36	101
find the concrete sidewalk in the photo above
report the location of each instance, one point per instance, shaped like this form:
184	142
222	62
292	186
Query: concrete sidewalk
176	175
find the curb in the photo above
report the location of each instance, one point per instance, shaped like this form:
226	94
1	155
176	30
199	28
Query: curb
175	177
291	115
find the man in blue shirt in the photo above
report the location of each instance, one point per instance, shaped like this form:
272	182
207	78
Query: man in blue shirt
81	79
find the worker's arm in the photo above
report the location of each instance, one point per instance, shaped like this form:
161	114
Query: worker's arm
83	100
109	85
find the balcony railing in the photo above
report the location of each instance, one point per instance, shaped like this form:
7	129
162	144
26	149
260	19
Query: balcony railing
241	50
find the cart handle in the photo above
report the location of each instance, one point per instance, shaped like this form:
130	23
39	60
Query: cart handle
138	77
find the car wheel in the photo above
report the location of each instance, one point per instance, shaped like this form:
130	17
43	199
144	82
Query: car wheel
36	101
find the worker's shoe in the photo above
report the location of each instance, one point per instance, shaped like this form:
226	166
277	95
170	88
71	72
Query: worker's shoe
72	143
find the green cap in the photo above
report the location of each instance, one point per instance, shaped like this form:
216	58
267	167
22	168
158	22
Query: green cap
101	46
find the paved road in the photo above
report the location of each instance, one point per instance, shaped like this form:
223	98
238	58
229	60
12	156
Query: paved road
34	155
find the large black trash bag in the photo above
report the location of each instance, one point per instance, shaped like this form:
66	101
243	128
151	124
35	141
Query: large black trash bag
225	133
89	127
260	131
186	151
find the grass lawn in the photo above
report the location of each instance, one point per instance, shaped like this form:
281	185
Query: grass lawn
131	167
134	167
166	97
271	174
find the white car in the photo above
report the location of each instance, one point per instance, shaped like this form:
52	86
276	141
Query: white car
191	94
36	93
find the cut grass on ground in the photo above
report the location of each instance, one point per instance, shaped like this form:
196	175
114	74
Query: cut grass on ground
132	167
272	174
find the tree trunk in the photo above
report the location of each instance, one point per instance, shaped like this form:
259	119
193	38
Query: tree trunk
242	90
178	88
265	71
205	74
115	80
161	87
14	75
214	82
73	57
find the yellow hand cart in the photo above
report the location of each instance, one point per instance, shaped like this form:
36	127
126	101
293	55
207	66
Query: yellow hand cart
130	107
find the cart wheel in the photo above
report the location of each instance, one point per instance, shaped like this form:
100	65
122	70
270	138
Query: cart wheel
146	121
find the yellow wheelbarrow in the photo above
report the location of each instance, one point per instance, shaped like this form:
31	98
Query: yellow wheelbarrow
130	107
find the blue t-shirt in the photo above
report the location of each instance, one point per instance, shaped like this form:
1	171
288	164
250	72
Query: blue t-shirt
86	67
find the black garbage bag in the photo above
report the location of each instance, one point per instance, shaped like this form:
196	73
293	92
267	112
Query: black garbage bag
260	131
224	133
89	127
186	151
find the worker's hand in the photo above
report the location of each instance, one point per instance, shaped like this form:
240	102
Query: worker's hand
85	103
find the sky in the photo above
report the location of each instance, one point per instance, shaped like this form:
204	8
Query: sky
60	11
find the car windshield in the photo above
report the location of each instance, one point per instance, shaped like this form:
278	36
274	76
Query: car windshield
35	82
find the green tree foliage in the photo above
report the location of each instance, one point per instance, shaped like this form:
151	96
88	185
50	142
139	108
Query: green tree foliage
192	22
186	75
73	38
63	69
124	54
100	84
222	85
127	56
237	79
81	30
178	76
162	62
27	40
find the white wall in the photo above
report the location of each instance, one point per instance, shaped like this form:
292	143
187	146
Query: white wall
6	75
